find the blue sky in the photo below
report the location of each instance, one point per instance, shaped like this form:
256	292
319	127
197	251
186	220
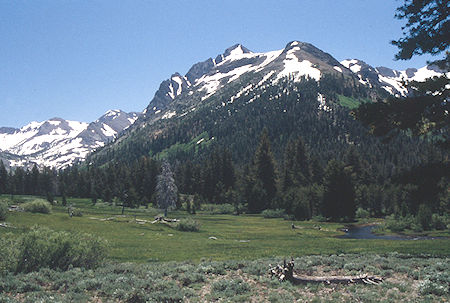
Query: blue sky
78	59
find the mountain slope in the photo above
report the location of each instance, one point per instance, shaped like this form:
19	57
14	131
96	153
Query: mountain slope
297	59
208	92
57	142
227	101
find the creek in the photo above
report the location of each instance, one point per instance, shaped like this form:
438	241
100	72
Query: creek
365	232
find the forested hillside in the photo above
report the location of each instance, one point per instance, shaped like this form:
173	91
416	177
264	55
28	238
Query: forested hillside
292	145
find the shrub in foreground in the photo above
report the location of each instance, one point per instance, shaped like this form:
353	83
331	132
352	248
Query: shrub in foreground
3	210
8	254
44	248
187	224
37	206
229	288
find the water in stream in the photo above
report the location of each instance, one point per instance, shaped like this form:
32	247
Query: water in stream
365	232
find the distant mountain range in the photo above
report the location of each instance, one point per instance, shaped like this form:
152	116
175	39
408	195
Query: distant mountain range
57	142
229	76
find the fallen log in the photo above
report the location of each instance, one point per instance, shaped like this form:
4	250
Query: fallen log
285	272
164	220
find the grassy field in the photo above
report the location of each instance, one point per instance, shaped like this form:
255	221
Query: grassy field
227	260
351	103
132	238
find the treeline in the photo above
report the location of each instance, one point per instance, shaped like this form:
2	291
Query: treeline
300	185
274	147
132	184
303	188
287	109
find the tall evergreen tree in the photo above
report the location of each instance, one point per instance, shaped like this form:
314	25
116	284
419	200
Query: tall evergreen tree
35	190
339	193
264	171
228	174
18	181
3	179
316	170
297	169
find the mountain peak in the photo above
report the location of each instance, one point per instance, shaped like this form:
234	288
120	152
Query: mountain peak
236	50
56	119
176	75
112	112
299	45
232	53
294	43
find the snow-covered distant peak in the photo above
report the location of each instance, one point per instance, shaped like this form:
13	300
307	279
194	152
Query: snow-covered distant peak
236	52
424	73
389	79
57	142
112	112
31	126
296	68
233	53
77	126
54	122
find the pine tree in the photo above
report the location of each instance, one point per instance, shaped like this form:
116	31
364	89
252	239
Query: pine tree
166	189
107	194
64	199
34	185
297	170
50	197
289	155
339	193
3	179
228	174
132	199
264	189
316	170
355	165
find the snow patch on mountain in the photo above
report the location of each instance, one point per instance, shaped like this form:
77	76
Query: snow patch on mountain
169	115
293	66
108	131
337	68
58	142
390	80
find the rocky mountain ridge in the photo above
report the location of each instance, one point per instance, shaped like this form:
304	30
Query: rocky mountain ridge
59	143
296	60
237	71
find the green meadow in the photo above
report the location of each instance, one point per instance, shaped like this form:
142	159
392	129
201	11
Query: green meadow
226	260
133	238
